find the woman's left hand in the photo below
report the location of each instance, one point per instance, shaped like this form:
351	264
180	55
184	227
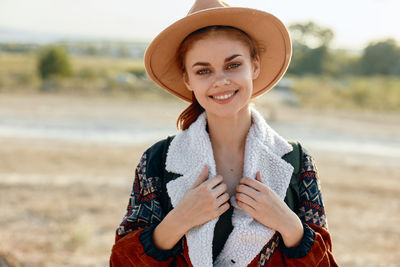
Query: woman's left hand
265	206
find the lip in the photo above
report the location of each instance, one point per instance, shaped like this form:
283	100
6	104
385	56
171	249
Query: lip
227	100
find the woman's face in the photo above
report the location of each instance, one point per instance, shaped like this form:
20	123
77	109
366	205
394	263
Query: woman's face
220	72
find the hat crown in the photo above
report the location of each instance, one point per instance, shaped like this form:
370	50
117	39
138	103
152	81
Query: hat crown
201	5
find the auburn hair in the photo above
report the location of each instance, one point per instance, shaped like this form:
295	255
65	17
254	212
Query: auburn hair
190	114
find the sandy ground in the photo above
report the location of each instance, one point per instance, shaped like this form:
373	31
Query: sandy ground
61	201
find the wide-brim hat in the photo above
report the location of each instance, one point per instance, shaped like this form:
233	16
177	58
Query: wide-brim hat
266	29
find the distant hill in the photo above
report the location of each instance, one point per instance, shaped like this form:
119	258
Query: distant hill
24	40
10	35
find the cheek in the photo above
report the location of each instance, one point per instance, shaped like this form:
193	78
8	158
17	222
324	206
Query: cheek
201	98
201	93
244	78
198	84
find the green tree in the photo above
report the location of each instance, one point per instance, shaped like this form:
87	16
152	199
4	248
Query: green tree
54	61
341	62
310	48
311	34
381	58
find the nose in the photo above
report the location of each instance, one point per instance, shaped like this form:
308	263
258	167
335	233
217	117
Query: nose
221	79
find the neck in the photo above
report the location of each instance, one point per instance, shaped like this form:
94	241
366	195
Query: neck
229	133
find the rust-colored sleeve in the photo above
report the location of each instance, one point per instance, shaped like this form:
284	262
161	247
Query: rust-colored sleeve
320	253
128	251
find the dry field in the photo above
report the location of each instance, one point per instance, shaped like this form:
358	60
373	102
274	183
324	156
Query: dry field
60	201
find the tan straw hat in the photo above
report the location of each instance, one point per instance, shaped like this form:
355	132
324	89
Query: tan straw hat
264	28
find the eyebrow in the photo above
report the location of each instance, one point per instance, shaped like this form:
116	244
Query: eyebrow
208	64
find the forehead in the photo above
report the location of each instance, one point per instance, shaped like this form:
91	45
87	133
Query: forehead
214	48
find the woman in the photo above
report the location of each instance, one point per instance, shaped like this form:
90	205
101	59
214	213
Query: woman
223	191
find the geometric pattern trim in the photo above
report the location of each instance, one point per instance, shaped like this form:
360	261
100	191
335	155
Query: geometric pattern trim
144	188
310	190
146	213
311	215
268	250
311	207
143	206
308	164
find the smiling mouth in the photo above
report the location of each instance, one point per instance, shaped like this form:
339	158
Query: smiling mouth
226	96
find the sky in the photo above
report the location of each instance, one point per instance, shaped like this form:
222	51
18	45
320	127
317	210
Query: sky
354	22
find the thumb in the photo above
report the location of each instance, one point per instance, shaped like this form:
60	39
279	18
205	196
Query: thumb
202	177
258	177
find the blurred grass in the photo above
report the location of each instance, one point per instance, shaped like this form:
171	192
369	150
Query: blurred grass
91	76
123	76
380	93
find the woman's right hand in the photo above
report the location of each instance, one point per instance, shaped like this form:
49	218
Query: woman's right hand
204	201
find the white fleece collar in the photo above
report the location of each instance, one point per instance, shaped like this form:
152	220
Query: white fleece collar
187	154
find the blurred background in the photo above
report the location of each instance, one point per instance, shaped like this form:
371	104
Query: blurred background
77	110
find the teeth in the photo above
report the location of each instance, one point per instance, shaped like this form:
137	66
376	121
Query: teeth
222	97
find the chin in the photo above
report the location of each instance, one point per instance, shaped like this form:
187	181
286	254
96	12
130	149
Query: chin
228	112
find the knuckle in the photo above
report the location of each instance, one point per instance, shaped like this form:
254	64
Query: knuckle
210	198
207	187
224	187
266	191
216	213
203	188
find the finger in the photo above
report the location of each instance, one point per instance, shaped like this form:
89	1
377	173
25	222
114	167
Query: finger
257	185
222	199
219	189
213	182
258	177
247	200
223	208
246	208
247	190
202	177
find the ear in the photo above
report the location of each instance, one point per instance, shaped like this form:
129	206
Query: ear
186	81
256	68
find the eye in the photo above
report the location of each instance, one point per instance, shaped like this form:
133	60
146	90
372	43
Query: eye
233	65
203	72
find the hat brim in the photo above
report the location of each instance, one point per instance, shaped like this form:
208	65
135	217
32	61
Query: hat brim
266	29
